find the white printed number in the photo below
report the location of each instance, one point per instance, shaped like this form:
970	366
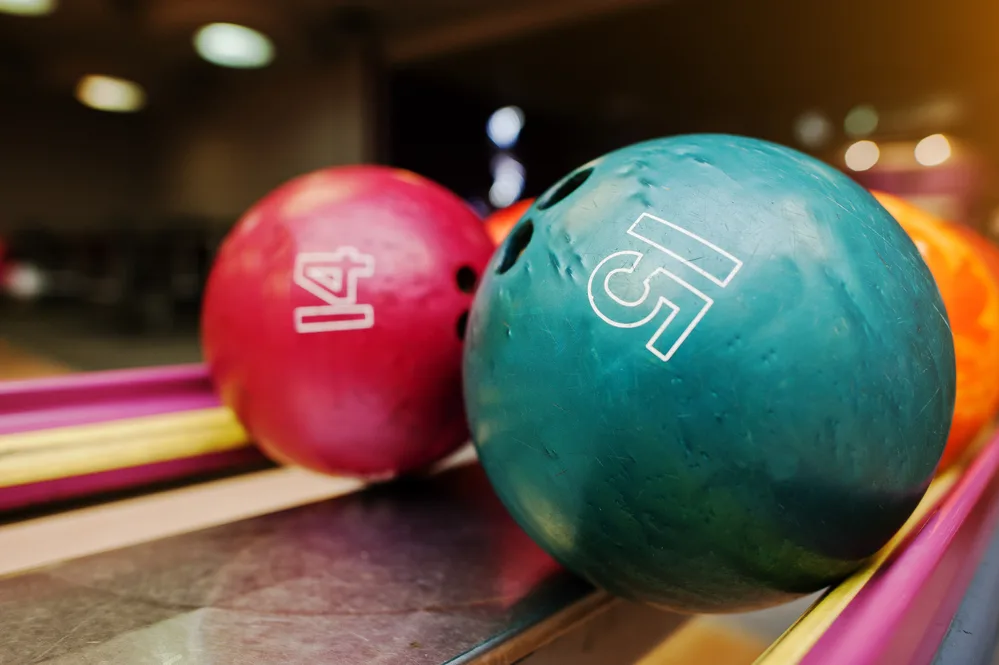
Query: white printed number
332	278
631	289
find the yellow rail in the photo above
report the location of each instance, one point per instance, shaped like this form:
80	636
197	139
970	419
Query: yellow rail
84	449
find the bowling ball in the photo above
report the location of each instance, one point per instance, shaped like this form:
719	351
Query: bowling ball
334	315
499	223
985	247
709	373
970	292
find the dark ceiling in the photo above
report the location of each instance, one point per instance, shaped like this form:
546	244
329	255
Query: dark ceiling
150	40
752	67
643	66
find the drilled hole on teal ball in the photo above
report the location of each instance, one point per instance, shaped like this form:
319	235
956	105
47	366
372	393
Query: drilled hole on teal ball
515	245
461	325
571	184
466	279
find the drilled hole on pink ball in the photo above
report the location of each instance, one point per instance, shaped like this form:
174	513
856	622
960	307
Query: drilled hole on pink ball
466	279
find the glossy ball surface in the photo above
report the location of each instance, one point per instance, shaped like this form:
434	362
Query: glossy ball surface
961	267
334	315
709	373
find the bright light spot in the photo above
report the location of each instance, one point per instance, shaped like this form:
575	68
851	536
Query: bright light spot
504	193
231	45
933	150
812	129
505	125
505	165
24	282
107	93
508	180
27	7
862	155
861	121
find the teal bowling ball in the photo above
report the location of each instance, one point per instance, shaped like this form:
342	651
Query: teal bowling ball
709	373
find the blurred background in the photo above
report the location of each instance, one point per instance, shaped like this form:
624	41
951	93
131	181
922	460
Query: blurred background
134	133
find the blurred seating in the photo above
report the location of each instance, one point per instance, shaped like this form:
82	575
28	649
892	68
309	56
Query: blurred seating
128	278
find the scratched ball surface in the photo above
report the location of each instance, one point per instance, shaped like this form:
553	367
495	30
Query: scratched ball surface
963	265
334	316
709	373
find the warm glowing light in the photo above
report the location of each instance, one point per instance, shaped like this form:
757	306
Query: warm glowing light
861	121
27	7
933	150
107	93
231	45
862	155
812	129
505	125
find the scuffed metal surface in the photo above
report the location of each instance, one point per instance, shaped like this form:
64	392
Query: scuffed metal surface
409	573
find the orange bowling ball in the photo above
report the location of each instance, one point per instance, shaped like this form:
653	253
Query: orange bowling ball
969	284
986	247
499	223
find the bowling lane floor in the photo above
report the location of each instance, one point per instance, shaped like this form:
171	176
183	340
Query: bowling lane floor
17	364
36	345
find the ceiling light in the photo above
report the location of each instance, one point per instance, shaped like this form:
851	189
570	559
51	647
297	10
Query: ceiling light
505	125
862	155
503	165
813	129
933	150
27	7
508	182
505	191
107	93
861	121
231	45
